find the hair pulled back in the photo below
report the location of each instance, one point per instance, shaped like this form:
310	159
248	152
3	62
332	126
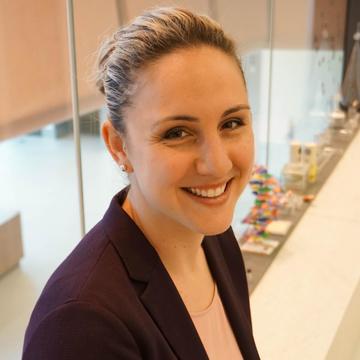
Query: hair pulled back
151	35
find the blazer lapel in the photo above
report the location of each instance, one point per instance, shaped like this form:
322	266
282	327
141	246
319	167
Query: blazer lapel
232	303
160	296
170	314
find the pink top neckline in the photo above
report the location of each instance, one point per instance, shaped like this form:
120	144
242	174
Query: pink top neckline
195	314
215	331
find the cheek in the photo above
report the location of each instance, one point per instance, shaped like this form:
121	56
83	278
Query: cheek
243	156
162	167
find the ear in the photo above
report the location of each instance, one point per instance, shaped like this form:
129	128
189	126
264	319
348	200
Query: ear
114	143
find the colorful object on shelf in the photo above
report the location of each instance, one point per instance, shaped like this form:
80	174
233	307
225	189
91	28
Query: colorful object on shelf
303	167
311	158
308	198
268	192
265	247
291	202
295	152
268	199
295	176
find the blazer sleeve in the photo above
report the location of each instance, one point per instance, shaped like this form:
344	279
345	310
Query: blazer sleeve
79	330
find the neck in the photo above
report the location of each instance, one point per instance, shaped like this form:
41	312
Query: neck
179	248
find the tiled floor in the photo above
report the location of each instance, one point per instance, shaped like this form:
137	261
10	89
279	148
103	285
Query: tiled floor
38	178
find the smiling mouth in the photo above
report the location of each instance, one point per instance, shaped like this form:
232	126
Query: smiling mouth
208	193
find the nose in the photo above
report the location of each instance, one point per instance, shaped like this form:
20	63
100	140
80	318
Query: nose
213	158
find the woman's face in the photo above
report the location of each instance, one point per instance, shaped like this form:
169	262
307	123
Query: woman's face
190	140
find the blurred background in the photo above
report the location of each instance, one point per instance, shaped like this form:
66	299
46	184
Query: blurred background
293	52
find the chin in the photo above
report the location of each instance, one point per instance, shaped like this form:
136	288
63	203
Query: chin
213	228
214	232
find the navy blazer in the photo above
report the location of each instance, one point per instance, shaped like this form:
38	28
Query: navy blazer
112	298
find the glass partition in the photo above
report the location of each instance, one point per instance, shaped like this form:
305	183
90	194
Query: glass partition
306	73
38	186
93	21
292	57
102	177
292	61
236	17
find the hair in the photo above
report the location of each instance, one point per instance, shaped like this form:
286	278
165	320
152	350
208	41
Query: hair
153	34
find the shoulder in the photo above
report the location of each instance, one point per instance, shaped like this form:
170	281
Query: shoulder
82	286
74	273
79	330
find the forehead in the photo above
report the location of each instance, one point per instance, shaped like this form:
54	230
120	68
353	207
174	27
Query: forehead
190	80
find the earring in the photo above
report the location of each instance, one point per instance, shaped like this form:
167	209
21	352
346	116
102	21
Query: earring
124	168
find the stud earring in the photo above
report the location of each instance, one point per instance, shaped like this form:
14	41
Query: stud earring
124	168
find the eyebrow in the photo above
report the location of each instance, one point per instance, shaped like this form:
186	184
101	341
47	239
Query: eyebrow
193	118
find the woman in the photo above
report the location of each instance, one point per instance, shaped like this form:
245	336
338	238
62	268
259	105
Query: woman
161	275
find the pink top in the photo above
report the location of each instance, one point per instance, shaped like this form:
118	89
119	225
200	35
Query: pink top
215	332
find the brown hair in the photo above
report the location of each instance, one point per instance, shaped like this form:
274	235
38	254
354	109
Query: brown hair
151	35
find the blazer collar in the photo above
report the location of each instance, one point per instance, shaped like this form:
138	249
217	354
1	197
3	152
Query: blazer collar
160	296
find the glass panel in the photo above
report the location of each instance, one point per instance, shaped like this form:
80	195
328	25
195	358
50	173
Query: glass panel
102	177
237	20
306	73
33	58
38	187
134	8
94	21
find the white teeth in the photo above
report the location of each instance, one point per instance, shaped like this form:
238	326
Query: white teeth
210	193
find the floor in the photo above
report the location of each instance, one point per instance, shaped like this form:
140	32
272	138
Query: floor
38	178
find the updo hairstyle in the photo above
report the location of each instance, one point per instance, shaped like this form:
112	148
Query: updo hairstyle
151	35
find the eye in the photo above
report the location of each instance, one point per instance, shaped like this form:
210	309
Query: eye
175	133
233	124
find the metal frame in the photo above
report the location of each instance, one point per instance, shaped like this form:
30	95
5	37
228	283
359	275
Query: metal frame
271	4
75	109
